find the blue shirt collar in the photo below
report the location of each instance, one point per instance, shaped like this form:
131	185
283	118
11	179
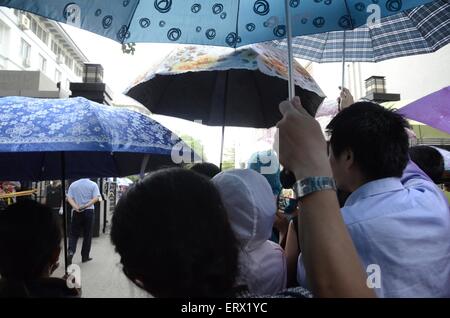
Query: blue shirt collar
373	188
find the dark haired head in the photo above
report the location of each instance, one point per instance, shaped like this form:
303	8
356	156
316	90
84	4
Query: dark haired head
205	168
172	233
30	239
429	160
376	137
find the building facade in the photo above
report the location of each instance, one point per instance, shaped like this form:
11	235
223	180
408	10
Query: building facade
37	54
412	77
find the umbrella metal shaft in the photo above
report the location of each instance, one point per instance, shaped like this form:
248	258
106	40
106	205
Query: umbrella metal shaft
63	189
291	83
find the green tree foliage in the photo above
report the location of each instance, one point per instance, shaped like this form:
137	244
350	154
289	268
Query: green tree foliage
229	159
195	145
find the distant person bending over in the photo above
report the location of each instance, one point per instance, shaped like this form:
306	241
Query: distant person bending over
429	160
30	244
82	196
207	169
53	196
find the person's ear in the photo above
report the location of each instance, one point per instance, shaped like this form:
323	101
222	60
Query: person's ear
348	157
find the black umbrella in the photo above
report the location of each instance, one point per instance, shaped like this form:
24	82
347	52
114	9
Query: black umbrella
223	87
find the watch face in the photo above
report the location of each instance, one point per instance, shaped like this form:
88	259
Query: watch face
287	205
313	184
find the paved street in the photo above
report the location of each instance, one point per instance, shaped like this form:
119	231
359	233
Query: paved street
102	277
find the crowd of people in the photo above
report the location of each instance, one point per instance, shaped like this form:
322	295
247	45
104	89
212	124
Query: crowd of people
367	220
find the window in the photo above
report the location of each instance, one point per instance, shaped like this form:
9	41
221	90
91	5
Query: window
34	24
37	29
42	63
57	76
68	61
79	70
54	47
39	32
42	34
376	84
25	52
44	37
3	31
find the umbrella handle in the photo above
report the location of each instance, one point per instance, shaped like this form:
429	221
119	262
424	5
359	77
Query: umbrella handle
343	67
287	178
291	82
64	206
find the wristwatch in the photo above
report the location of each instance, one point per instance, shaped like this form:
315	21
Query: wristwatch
309	185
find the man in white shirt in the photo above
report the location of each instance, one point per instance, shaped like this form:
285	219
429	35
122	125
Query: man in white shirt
82	196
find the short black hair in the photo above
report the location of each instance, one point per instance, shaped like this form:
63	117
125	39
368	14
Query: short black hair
29	235
429	160
172	234
376	136
206	168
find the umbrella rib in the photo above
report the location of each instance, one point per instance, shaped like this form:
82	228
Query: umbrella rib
327	35
419	31
42	165
116	164
163	93
372	43
104	128
237	22
131	20
259	94
352	27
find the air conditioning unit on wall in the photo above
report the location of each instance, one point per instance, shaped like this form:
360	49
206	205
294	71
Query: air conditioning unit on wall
24	22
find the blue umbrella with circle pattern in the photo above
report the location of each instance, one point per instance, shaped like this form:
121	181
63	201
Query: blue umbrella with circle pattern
231	23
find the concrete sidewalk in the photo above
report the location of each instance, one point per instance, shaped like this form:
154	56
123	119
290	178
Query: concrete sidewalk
102	277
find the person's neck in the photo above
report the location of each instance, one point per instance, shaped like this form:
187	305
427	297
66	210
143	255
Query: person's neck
357	181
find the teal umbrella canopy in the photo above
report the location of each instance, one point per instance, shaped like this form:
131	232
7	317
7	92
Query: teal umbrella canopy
230	23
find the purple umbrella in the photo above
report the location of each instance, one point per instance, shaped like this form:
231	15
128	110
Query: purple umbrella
433	110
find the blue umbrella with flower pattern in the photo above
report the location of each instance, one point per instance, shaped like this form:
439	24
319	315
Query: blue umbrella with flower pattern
48	139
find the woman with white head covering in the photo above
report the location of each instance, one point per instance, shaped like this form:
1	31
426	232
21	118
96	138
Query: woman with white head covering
251	209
